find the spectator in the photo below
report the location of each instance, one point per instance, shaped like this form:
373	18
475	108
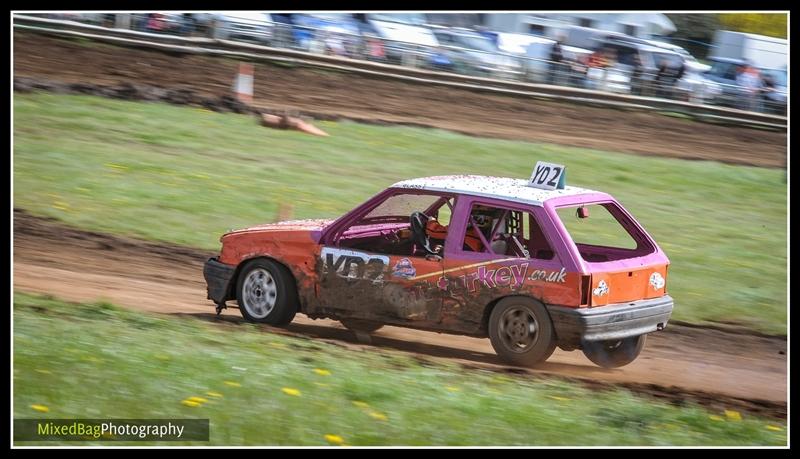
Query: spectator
187	24
636	76
202	23
579	66
375	48
556	65
155	22
681	71
750	82
604	61
661	81
597	67
767	92
140	22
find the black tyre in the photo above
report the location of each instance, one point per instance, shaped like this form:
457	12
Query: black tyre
614	353
266	293
360	325
521	331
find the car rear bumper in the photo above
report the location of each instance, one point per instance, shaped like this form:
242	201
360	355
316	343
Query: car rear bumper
613	321
218	278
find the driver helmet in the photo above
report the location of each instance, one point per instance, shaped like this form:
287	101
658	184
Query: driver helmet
485	216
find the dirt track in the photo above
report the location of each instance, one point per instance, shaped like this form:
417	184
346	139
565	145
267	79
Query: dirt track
374	99
715	368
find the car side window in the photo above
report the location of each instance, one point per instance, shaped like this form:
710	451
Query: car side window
505	232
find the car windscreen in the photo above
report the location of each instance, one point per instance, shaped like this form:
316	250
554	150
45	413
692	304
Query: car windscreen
778	75
401	205
725	70
329	16
476	43
672	60
247	17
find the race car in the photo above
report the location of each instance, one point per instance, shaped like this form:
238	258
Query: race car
531	264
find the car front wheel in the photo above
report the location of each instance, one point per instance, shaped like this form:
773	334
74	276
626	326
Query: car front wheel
521	331
614	353
266	293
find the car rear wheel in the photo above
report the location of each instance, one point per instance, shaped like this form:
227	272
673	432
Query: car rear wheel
266	293
521	331
614	353
360	325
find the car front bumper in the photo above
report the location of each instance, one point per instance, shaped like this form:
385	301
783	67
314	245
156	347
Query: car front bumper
218	278
613	321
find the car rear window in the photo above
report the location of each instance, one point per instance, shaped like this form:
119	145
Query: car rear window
606	234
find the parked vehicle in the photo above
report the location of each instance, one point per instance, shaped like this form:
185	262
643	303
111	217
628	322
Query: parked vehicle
167	23
245	26
690	61
529	264
724	71
406	39
537	62
770	98
476	54
621	56
761	51
328	33
775	101
661	70
517	43
695	87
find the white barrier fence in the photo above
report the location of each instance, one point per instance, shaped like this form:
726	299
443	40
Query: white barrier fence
607	88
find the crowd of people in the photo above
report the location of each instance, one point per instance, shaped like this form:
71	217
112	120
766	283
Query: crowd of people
596	69
186	24
592	70
756	90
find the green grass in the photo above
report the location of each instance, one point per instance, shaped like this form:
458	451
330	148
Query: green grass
186	175
125	364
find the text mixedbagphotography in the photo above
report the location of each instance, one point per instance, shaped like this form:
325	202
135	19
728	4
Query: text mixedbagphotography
111	429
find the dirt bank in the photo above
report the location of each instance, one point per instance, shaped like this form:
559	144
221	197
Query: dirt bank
332	94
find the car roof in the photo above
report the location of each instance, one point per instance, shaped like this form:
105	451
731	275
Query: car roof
505	188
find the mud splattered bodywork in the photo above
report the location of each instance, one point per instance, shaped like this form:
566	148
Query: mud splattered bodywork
371	263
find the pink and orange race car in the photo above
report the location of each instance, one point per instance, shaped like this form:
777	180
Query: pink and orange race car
531	264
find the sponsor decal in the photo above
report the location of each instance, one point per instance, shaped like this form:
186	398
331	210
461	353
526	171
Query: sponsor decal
353	265
404	268
551	276
657	281
510	276
602	289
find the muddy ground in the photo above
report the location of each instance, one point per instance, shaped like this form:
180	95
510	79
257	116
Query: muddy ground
719	369
330	95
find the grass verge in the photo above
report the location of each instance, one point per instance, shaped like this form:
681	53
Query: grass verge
259	388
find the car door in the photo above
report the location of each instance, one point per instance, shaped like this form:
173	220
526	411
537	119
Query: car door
496	249
373	270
